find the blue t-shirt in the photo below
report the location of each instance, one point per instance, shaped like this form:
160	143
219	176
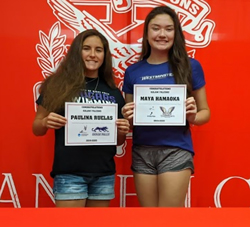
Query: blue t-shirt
144	73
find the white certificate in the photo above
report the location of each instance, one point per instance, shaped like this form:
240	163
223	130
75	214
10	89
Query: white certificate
90	124
158	104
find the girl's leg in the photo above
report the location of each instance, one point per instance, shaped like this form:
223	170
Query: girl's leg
97	203
147	189
173	187
71	203
82	203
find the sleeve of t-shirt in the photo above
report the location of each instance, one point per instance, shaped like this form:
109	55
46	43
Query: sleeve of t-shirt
198	79
127	83
39	100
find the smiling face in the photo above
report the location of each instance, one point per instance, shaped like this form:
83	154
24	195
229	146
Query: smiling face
161	33
92	55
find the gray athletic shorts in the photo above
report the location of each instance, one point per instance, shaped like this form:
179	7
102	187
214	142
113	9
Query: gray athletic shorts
156	159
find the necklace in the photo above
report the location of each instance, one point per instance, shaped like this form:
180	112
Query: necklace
87	82
97	83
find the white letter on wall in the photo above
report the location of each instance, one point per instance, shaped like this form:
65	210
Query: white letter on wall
188	195
12	189
217	193
123	189
41	180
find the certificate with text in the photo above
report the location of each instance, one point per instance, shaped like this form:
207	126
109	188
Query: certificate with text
158	104
90	124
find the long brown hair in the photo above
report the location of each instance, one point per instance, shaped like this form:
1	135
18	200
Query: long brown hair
177	55
69	78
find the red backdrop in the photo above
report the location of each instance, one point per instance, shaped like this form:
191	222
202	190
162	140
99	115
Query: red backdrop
35	35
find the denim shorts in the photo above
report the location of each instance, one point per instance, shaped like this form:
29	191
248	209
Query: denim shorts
156	159
73	187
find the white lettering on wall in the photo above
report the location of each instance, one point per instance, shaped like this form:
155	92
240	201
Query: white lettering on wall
12	189
188	196
218	190
42	181
123	189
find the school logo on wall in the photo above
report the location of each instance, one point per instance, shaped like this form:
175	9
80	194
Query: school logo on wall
121	21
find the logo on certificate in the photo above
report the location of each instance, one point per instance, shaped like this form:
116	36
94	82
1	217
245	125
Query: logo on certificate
151	112
83	132
100	131
167	113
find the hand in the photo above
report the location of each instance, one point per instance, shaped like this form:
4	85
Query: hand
128	110
54	121
122	126
191	110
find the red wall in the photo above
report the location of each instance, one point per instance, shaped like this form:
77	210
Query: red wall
222	151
